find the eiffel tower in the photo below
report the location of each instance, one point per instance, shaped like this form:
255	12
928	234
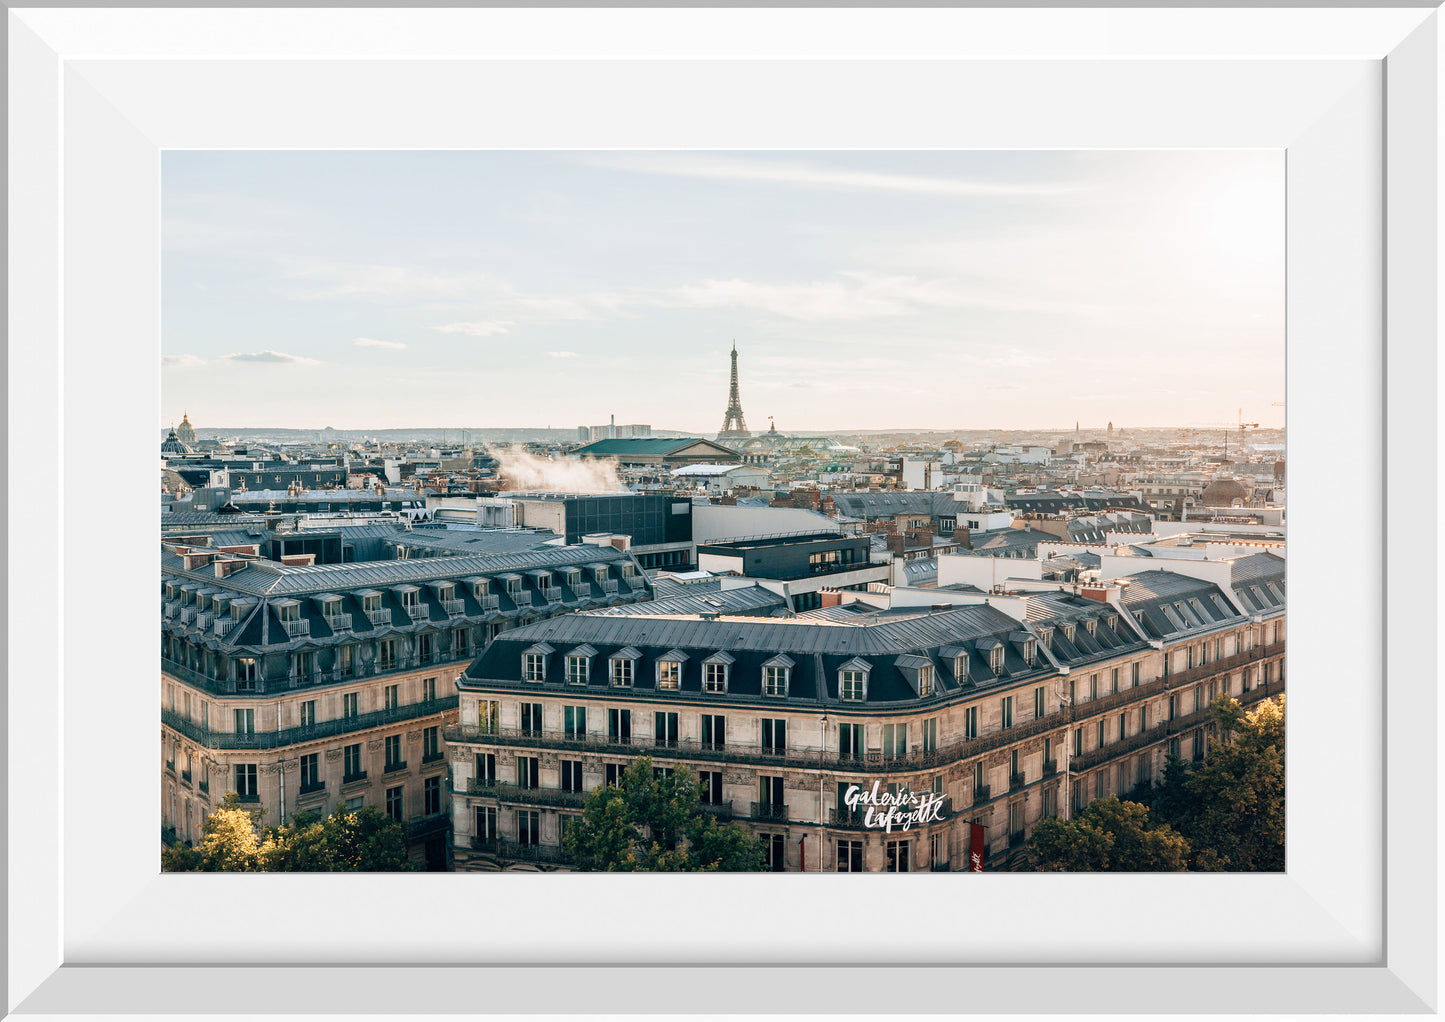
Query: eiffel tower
733	427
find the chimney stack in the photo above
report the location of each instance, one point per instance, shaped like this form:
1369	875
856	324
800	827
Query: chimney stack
895	544
963	537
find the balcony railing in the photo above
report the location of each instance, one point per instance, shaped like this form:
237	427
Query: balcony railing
980	794
309	789
513	794
552	594
425	826
722	810
1051	767
287	679
609	585
489	602
802	758
379	616
1016	781
1015	839
297	629
532	853
292	736
770	811
848	819
247	798
453	608
339	622
1162	731
874	761
359	775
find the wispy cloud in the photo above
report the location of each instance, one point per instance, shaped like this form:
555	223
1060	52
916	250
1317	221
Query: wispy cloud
812	175
562	354
181	361
483	329
372	342
270	358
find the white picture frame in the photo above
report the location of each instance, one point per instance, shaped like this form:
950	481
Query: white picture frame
97	95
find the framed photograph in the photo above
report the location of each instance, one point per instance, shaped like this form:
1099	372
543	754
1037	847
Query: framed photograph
102	99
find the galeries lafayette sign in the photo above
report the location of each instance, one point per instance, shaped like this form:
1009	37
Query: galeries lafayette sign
903	809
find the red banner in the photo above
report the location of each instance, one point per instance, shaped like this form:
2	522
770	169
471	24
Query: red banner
976	848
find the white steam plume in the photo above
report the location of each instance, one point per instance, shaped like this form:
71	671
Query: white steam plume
519	470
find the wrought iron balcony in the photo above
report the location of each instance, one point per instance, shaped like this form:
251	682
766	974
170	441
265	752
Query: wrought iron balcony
532	853
339	622
980	794
310	789
869	762
247	798
552	594
297	629
1051	767
848	819
292	736
770	811
1016	781
379	616
360	775
425	826
513	794
609	585
722	810
1015	839
453	608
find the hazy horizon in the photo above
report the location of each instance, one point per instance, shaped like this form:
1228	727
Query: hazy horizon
376	288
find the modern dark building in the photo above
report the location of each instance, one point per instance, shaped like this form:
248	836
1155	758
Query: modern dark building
798	567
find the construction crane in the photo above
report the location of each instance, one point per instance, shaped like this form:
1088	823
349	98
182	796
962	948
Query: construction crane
1241	425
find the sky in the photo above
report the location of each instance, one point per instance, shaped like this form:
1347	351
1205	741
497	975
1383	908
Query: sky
864	289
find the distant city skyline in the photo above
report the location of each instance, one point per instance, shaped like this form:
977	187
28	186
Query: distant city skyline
865	290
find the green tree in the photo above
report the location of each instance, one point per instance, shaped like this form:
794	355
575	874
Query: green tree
1232	806
1107	836
653	823
347	841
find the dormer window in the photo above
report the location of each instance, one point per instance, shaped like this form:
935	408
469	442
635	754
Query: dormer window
1068	633
776	674
925	681
1029	652
1091	626
534	662
960	667
601	572
407	596
573	577
544	580
715	672
853	680
624	667
579	665
995	659
1046	635
669	669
